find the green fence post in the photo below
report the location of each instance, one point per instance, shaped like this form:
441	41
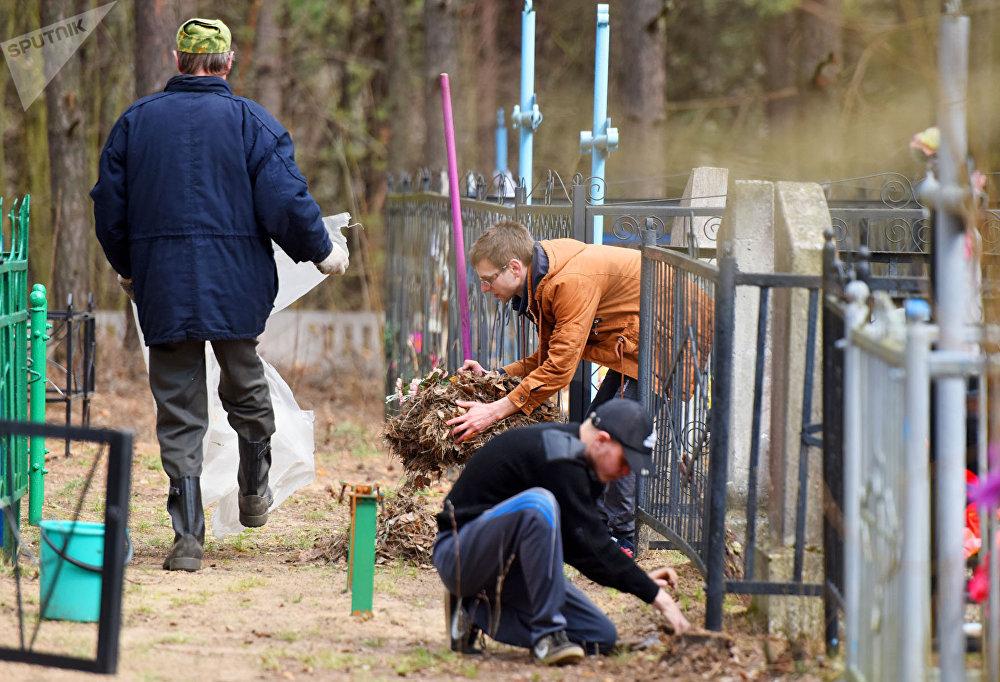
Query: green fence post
14	366
39	337
361	548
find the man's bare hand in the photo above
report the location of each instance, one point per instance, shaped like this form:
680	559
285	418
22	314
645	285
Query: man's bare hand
668	608
478	417
664	577
474	367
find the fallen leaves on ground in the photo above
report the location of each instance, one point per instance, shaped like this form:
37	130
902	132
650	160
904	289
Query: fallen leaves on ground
405	530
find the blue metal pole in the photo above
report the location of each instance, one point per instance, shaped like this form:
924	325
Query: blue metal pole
526	115
501	165
602	138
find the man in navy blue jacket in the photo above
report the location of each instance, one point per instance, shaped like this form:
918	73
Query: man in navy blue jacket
194	185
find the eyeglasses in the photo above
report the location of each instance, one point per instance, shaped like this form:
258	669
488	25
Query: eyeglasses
487	282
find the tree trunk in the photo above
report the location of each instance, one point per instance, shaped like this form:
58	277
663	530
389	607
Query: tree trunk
68	177
270	48
820	64
486	76
780	44
405	125
440	56
640	60
157	21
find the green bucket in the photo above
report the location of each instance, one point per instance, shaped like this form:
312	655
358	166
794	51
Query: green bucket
72	563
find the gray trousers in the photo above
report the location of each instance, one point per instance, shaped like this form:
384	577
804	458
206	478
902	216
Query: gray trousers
512	556
177	380
618	503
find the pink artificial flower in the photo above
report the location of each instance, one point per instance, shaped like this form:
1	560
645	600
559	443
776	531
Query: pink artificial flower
979	584
978	180
970	543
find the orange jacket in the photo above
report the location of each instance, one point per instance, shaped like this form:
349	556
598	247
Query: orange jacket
586	307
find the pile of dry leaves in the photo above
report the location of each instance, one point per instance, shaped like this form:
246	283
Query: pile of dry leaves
405	530
418	434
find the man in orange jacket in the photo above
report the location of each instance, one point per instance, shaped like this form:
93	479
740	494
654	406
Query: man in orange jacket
584	300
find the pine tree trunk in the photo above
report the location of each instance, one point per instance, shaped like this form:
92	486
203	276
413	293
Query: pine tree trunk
440	56
640	60
270	49
67	128
779	53
156	24
405	125
486	76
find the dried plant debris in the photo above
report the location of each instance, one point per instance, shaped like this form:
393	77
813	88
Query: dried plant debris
419	436
404	530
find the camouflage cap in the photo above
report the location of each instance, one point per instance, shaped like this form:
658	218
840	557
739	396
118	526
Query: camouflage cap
204	36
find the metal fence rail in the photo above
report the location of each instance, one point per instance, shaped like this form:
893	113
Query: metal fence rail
889	367
877	467
73	337
14	464
676	325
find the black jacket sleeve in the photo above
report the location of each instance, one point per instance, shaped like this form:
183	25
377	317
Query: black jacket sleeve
587	545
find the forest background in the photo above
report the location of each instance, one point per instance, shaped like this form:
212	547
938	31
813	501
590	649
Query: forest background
772	89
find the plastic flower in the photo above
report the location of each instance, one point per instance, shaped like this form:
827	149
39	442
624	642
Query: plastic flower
986	491
926	143
979	584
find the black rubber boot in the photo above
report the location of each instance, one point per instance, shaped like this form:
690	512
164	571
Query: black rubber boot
188	518
462	632
255	495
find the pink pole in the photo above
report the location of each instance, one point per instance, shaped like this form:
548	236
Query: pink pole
456	218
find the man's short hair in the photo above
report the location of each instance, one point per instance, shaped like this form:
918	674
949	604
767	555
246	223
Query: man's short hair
499	244
214	64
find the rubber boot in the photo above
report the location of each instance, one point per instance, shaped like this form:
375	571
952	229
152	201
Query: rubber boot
255	496
188	518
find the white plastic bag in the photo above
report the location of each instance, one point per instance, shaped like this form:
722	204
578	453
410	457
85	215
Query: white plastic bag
292	445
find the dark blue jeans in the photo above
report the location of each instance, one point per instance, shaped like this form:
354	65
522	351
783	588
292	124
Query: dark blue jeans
618	503
512	556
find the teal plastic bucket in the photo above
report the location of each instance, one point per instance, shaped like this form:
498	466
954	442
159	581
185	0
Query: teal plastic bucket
72	561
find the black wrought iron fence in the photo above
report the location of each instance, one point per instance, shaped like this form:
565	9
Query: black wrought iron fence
675	383
422	325
72	368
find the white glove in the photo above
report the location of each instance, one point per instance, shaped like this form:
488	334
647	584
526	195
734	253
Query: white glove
338	259
335	263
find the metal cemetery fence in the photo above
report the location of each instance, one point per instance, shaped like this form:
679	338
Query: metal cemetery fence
19	632
22	316
14	356
887	498
675	385
422	321
74	338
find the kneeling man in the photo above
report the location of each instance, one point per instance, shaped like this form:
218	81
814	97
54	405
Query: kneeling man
526	502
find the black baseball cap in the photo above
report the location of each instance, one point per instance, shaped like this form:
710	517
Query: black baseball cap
628	423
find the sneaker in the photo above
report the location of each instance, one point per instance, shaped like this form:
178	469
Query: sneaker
556	649
462	632
626	546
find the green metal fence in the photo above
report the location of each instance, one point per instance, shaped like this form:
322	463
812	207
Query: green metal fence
18	471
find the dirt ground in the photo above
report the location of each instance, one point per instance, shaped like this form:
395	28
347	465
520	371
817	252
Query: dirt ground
256	613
